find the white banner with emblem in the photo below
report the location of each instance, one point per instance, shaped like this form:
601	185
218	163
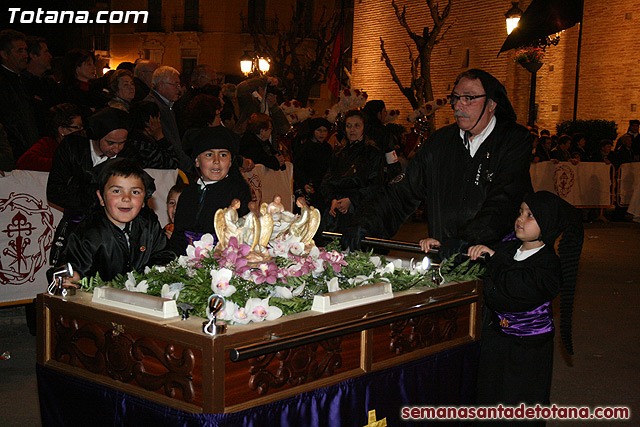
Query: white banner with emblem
586	184
27	224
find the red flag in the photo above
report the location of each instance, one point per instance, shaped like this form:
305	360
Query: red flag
332	77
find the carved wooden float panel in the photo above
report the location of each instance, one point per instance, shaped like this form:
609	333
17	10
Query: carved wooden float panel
173	363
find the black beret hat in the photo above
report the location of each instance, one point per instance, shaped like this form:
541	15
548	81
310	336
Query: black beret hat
107	120
210	138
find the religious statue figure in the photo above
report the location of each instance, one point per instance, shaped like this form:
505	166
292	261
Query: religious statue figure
260	227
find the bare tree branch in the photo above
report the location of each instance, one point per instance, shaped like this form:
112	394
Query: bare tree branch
408	92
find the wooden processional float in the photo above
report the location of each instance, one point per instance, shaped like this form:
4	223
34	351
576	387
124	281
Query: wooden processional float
140	346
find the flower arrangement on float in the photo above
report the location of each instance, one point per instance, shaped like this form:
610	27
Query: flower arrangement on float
295	112
284	285
348	100
528	54
427	109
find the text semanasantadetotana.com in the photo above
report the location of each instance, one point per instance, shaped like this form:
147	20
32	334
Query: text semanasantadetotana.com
40	16
521	412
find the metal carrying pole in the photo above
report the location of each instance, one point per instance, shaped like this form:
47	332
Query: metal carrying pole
278	344
385	243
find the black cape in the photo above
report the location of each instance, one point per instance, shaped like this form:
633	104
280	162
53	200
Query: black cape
471	199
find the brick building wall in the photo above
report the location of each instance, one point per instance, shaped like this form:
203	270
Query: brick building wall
609	71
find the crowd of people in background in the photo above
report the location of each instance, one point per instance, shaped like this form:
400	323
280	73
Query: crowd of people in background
573	148
152	114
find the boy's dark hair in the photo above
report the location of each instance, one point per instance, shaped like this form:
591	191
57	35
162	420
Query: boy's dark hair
126	167
177	188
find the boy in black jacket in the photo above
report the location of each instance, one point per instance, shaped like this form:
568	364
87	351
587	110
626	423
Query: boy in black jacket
123	234
220	182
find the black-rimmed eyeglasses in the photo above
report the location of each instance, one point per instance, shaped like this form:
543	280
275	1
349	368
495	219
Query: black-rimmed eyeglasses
464	99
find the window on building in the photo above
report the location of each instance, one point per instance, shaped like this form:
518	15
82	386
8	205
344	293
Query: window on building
154	23
189	62
191	15
256	14
304	13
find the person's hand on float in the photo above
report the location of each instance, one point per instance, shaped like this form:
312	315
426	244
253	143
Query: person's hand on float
343	205
280	158
309	189
334	206
477	251
429	243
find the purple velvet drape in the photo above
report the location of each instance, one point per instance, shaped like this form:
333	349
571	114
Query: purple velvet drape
445	378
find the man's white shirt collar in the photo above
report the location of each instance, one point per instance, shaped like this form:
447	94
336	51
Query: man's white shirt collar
165	100
95	158
477	140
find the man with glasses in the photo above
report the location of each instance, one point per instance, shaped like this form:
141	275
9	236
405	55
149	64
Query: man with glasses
165	91
473	174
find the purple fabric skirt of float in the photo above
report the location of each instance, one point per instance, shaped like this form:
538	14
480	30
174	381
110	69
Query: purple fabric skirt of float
525	323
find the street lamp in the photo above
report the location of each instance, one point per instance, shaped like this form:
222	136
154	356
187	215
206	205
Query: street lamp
246	63
513	16
253	62
263	65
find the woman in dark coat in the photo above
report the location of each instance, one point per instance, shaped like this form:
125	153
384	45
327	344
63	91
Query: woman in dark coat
355	174
77	85
311	162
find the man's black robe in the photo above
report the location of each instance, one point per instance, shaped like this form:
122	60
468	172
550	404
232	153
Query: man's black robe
471	199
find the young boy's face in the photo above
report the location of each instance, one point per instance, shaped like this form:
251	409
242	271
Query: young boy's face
214	164
123	198
172	203
526	226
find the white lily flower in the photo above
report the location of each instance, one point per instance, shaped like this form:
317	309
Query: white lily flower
240	316
283	292
201	248
259	309
160	268
298	290
147	270
131	285
183	261
333	285
314	253
279	249
389	268
376	261
220	282
228	311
